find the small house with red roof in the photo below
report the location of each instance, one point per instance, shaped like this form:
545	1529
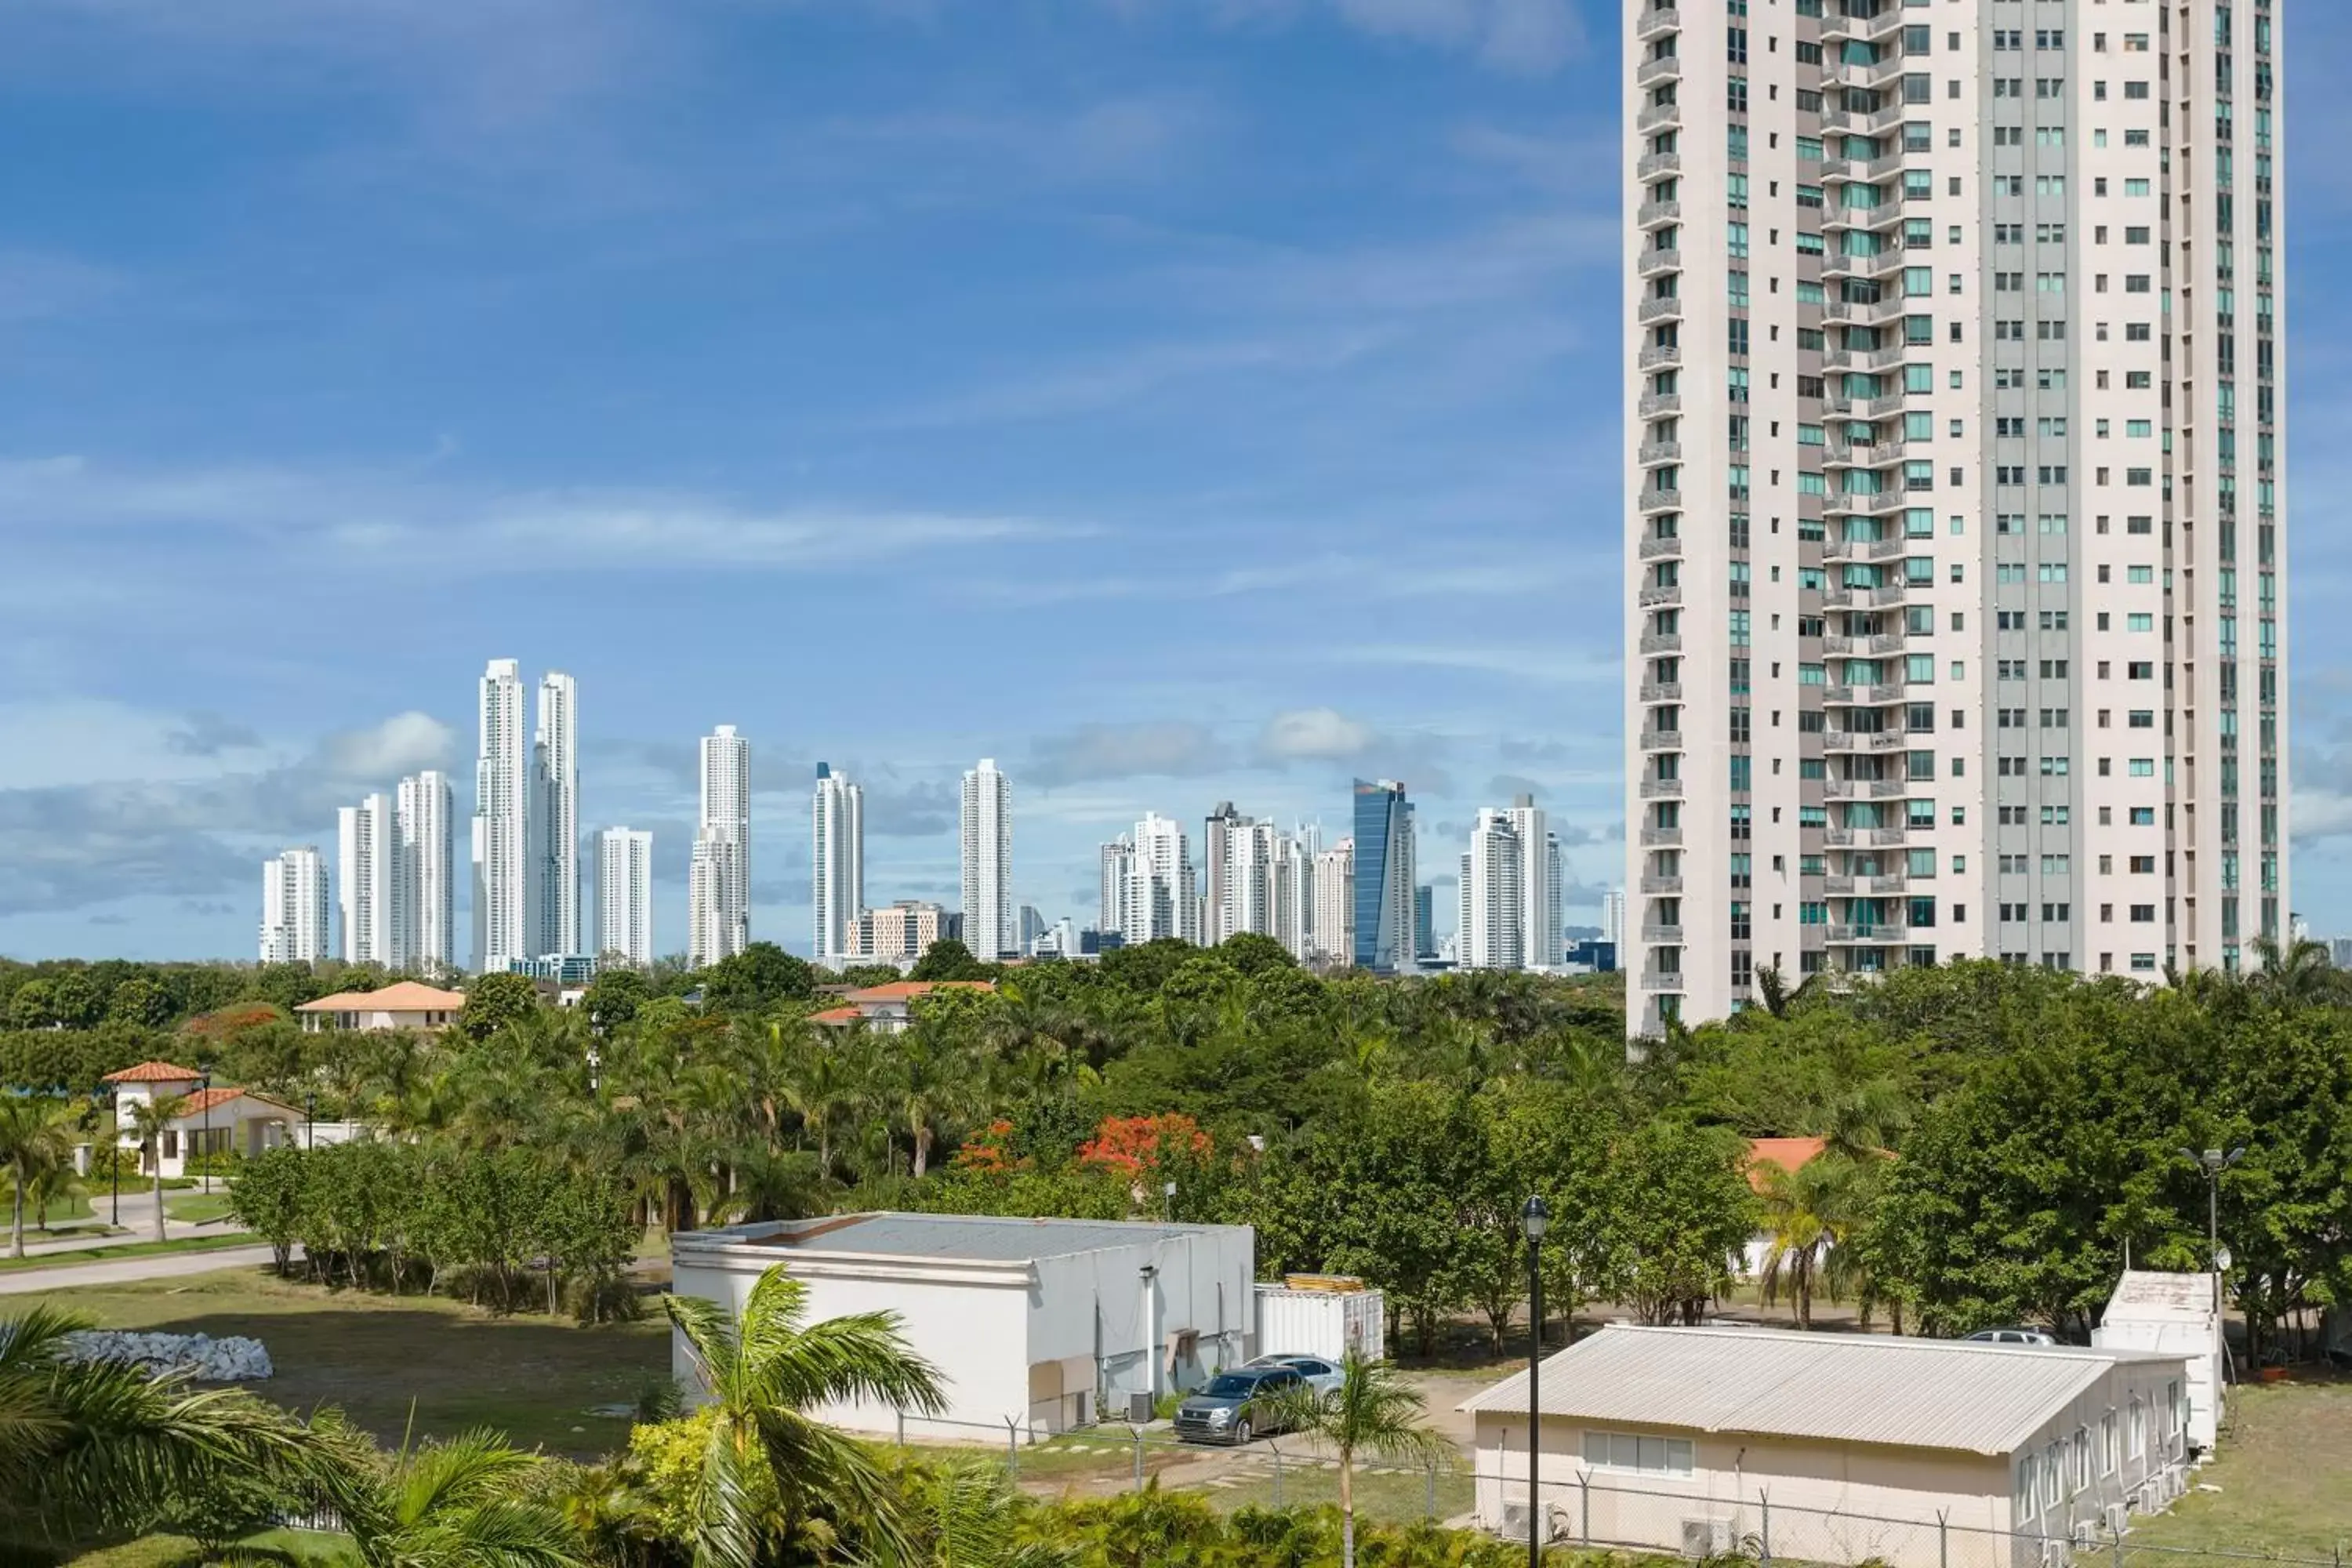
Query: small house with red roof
1777	1153
212	1119
888	1009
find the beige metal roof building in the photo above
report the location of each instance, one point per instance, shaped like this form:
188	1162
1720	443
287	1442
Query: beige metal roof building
1928	1452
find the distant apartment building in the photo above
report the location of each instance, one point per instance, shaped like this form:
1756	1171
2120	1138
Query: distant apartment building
899	933
1333	933
425	826
719	875
1115	871
368	880
294	907
1491	930
987	863
836	863
1161	901
553	835
625	896
501	817
1384	935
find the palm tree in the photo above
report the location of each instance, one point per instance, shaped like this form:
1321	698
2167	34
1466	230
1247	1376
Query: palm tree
962	1516
1373	1412
2294	974
470	1502
33	1143
148	1120
762	1376
93	1446
1807	1213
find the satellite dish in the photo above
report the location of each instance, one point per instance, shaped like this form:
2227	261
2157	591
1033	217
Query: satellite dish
2221	1260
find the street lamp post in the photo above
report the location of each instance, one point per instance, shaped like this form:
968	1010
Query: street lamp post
2212	1162
310	1121
203	1145
114	1153
1535	1217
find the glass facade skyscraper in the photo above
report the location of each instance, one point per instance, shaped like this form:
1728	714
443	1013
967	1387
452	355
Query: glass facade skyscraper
1384	880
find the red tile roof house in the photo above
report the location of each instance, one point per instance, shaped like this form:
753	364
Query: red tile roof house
887	1010
403	1004
217	1120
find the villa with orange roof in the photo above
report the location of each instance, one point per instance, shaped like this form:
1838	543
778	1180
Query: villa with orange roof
888	1009
403	1004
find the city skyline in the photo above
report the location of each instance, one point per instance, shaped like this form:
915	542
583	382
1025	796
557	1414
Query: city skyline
1282	491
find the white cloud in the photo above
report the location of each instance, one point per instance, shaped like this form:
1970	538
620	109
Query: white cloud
401	745
1322	733
394	518
1093	751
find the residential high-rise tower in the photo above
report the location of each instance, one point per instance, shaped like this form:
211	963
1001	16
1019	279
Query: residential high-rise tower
1955	433
1160	898
718	879
428	905
625	896
554	834
294	907
501	817
836	865
367	844
988	927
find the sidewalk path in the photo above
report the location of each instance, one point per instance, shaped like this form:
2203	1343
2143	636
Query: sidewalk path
125	1270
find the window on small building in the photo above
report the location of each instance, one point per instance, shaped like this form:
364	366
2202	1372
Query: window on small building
1643	1455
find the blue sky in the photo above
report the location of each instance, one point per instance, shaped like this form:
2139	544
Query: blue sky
1177	400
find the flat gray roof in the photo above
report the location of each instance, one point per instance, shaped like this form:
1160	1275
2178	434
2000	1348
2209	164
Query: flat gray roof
1858	1388
982	1238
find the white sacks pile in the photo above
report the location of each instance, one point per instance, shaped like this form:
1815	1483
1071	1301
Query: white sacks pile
201	1356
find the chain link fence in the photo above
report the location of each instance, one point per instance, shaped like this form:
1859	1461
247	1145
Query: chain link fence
1583	1512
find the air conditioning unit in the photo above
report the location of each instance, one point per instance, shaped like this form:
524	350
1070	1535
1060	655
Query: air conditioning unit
1138	1408
2118	1519
1515	1522
1706	1537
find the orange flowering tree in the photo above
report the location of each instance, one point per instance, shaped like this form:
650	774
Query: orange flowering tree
1132	1145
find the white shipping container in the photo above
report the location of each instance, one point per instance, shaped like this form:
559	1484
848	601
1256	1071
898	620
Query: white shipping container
1327	1323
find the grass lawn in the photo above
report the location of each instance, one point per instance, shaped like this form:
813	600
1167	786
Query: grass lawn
124	1249
1395	1498
381	1358
175	1552
193	1207
2285	1474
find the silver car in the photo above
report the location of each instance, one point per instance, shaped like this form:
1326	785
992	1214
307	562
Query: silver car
1322	1376
2013	1336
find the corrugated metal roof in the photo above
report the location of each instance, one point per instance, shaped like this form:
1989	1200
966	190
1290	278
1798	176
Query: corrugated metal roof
985	1238
1856	1388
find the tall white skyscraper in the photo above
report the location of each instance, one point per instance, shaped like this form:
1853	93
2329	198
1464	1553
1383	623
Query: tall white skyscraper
1162	900
367	841
1539	884
1334	912
718	882
988	928
1954	430
1491	932
1217	833
294	907
1290	896
625	895
555	819
838	864
426	939
502	822
1613	918
1117	875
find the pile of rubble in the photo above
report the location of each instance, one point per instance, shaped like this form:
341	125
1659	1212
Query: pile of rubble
201	1356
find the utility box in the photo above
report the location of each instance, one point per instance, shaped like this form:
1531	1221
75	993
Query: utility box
1326	1315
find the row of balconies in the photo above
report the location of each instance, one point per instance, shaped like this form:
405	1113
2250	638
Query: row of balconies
1845	170
1662	789
1837	30
1662	740
1885	503
1868	789
1862	696
1881	312
1655	499
1862	122
1838	596
1865	408
1865	454
1654	549
1873	361
1863	837
1843	549
1869	933
1657	20
1886	264
1843	742
1865	886
1876	646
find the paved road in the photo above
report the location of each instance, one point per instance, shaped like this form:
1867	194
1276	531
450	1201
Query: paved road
124	1270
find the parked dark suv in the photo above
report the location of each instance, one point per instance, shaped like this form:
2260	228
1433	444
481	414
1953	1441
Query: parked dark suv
1231	1409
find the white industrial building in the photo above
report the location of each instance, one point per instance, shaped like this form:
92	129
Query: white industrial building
1043	1324
1914	1453
2179	1314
